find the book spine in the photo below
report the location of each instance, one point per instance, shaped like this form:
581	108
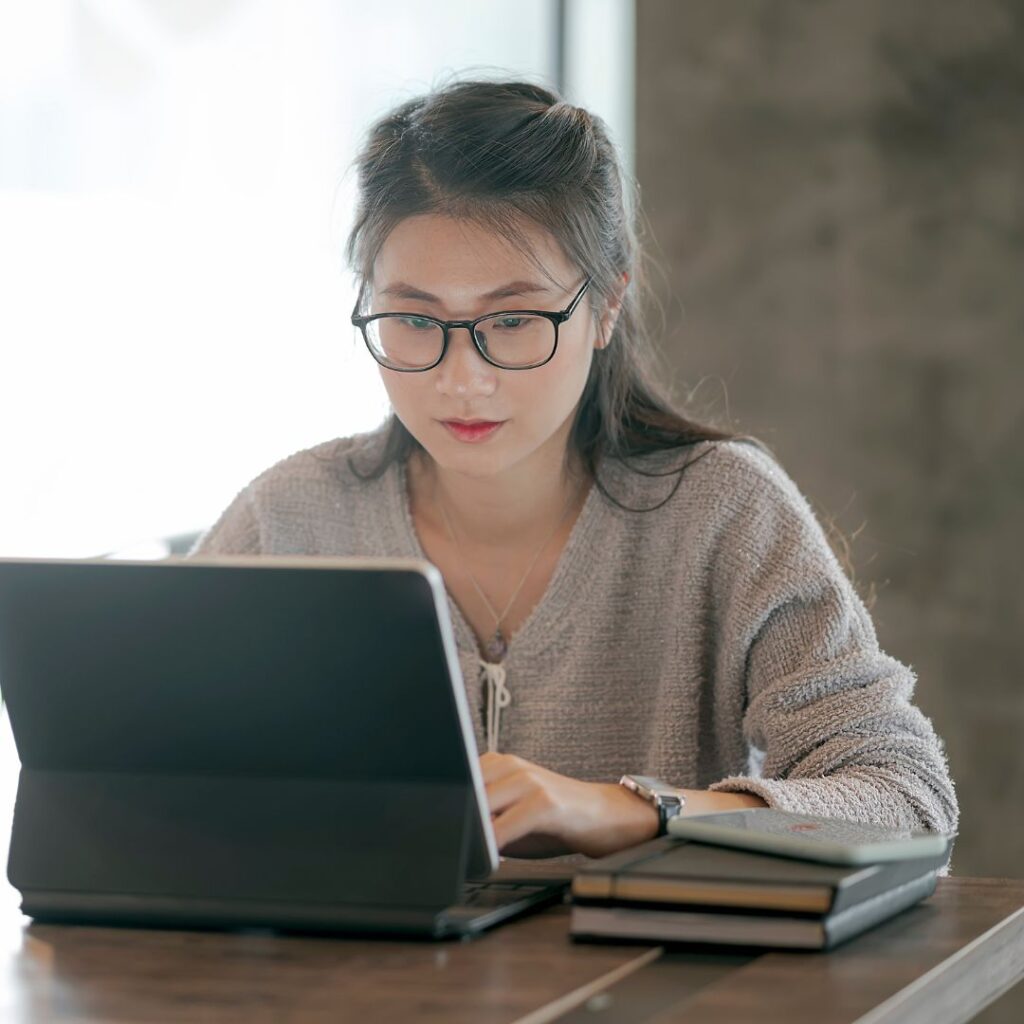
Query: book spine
877	909
880	878
621	925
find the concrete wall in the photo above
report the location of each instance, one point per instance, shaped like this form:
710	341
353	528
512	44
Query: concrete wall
836	192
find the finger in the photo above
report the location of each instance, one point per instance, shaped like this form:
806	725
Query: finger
501	795
497	766
533	814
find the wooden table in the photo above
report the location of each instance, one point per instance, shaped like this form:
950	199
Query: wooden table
940	961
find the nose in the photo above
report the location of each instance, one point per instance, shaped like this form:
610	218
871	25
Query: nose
463	370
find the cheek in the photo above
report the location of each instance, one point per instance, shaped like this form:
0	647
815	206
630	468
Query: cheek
557	385
402	390
403	401
571	370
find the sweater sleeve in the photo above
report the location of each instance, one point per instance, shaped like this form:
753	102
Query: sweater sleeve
830	711
236	532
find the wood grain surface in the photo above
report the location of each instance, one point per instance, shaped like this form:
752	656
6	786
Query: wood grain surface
940	961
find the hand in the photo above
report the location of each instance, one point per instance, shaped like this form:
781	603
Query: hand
539	813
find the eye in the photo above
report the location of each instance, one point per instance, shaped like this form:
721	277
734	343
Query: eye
509	323
417	323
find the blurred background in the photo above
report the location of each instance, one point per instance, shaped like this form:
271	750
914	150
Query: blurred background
174	194
834	199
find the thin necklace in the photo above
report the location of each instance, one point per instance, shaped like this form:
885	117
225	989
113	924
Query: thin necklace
497	646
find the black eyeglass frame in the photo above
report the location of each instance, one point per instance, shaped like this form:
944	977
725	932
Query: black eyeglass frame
556	318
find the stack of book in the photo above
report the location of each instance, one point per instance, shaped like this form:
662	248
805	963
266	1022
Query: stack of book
679	890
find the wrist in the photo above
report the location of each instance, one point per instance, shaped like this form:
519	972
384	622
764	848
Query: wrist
635	819
625	819
705	801
667	800
640	818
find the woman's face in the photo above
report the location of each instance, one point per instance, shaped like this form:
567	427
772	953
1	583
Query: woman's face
458	262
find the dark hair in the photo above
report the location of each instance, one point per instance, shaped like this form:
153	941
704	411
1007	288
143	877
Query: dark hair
497	152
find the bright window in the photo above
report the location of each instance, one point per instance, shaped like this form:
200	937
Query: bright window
173	203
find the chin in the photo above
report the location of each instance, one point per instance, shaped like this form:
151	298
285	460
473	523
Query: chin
471	464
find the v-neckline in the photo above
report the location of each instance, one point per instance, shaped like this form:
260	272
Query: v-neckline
563	583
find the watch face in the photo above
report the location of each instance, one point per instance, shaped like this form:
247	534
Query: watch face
646	783
653	790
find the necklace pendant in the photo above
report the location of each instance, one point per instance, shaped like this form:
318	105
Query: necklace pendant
496	646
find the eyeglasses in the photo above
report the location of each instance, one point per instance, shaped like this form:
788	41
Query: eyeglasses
514	339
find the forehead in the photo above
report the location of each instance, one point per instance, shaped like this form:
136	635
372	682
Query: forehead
463	257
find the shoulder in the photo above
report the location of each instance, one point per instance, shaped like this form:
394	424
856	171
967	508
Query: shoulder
323	468
734	499
766	521
308	501
738	471
723	475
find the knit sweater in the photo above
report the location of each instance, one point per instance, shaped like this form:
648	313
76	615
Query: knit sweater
714	642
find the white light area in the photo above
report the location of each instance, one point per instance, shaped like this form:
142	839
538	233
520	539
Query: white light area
35	41
186	350
600	66
173	201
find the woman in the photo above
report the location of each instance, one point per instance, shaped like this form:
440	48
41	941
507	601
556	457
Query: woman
631	592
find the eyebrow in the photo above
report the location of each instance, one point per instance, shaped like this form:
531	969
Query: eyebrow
401	290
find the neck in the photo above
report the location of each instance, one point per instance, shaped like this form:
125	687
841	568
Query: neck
509	512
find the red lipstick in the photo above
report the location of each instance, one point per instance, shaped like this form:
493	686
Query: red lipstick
472	430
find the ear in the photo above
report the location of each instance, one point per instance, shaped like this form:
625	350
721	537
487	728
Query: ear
611	314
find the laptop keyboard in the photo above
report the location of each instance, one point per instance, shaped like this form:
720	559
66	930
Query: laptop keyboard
481	895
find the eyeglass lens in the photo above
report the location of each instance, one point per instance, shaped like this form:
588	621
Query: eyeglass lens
510	340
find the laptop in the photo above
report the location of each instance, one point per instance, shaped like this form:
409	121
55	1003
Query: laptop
247	742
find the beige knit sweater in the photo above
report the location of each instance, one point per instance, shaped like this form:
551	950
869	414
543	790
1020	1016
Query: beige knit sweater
714	642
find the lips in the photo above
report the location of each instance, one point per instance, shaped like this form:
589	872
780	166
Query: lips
479	430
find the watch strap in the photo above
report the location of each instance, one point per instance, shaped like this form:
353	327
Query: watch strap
667	800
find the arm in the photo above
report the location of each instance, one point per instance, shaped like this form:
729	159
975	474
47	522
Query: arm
538	813
831	712
833	715
630	819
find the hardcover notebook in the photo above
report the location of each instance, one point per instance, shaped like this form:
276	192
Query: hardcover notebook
677	890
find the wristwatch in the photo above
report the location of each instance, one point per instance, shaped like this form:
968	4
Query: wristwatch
668	800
